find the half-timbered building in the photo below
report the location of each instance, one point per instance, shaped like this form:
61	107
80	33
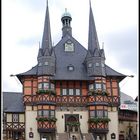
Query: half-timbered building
70	92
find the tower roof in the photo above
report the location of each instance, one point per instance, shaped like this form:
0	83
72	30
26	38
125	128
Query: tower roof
46	39
93	43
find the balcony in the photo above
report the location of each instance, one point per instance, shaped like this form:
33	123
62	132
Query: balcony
46	124
98	125
41	97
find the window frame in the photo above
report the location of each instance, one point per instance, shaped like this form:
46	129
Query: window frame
15	118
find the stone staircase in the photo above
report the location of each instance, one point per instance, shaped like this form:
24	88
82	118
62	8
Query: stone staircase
65	136
87	136
77	135
62	136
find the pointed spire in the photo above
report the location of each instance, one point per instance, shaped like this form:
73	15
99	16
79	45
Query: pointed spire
46	39
92	34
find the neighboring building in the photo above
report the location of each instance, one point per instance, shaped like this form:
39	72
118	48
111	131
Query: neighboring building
71	92
128	121
13	116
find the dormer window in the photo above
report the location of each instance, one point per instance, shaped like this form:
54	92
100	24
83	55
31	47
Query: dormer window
46	63
89	65
103	65
97	64
71	68
40	64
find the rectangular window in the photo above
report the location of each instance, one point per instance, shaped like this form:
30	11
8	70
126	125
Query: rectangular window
52	114
64	91
77	91
52	86
90	65
97	64
40	86
98	86
104	87
99	113
39	112
91	86
70	91
45	86
46	63
46	113
92	113
15	117
105	113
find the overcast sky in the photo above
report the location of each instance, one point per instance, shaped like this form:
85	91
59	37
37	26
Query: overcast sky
116	24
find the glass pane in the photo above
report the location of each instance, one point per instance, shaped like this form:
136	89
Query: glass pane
98	86
70	68
92	113
70	91
40	64
39	112
91	86
46	113
52	86
96	64
99	113
46	85
15	117
103	65
90	65
77	91
105	113
64	92
104	87
46	63
52	113
40	86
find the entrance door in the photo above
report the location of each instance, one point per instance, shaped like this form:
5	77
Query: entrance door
70	122
16	135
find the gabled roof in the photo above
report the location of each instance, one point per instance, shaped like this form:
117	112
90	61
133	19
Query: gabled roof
13	102
65	59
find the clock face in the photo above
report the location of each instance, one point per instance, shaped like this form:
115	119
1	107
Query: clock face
69	46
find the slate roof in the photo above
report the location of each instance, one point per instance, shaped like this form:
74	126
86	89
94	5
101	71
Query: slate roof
132	105
76	58
13	102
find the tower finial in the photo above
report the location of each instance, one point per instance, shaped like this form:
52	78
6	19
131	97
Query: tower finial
39	44
47	2
102	45
90	3
65	10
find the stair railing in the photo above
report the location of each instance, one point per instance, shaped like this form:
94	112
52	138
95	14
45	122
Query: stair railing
81	135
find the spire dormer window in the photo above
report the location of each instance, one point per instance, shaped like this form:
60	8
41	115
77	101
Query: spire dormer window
40	64
89	65
97	64
46	63
70	68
